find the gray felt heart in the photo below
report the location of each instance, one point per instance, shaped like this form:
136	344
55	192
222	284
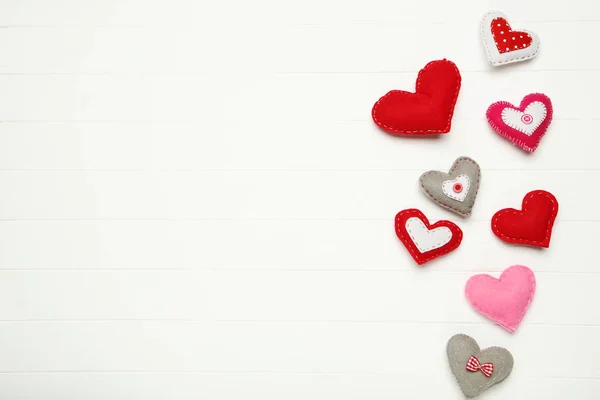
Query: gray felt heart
468	364
456	190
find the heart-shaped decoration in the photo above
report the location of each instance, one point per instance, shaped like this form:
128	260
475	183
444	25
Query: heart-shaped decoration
524	125
458	188
503	300
532	225
504	45
425	241
427	111
471	366
455	190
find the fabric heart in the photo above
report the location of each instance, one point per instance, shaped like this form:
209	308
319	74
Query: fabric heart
532	225
462	349
528	120
427	111
455	190
426	241
503	300
524	125
504	45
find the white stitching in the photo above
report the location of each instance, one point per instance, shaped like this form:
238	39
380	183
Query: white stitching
491	56
419	257
513	211
515	140
501	368
445	239
454	166
466	188
519	128
448	125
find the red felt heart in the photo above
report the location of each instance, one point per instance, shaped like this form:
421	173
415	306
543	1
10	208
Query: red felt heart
427	111
532	225
425	241
506	39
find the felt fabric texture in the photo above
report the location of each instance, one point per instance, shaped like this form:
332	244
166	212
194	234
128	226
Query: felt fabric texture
525	125
456	190
425	241
427	111
532	225
472	383
504	300
506	39
504	45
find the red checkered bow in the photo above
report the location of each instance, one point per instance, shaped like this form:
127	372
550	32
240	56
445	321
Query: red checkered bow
474	365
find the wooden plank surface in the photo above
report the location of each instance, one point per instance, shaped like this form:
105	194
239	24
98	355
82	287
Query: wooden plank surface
197	205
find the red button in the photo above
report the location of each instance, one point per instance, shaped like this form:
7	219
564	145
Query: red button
527	119
457	187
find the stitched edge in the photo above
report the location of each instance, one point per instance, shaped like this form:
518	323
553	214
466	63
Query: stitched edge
454	166
483	387
535	137
503	323
477	353
514	126
418	256
529	196
492	57
510	29
429	131
454	197
447	238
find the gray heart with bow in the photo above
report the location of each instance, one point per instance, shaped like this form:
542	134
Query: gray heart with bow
471	366
456	190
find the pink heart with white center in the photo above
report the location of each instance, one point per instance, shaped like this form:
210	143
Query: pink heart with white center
524	125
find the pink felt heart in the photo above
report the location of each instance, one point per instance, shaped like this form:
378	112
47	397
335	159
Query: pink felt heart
524	125
503	300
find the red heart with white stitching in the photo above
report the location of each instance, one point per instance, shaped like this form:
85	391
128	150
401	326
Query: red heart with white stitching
532	225
427	111
425	241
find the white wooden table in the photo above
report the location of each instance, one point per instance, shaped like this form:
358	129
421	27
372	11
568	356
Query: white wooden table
196	204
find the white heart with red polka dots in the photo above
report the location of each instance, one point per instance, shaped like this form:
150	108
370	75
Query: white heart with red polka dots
457	188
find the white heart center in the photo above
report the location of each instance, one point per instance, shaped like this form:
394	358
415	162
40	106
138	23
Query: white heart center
457	188
425	239
526	121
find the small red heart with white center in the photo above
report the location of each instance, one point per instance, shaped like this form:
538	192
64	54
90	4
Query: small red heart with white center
505	45
524	125
425	241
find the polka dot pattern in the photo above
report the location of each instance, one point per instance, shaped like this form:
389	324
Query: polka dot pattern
507	39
